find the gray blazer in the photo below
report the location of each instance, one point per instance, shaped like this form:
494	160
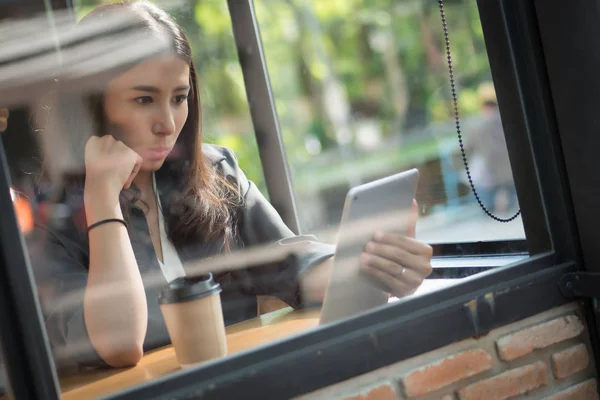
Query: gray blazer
60	259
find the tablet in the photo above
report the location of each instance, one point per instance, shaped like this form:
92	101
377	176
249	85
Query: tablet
384	204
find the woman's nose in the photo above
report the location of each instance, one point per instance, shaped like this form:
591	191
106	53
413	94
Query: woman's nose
165	124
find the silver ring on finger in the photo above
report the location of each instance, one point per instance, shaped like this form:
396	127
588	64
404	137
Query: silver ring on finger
402	271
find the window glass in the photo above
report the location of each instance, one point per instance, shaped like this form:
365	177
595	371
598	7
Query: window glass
362	91
117	200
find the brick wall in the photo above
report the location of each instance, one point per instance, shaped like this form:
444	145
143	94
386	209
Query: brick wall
547	356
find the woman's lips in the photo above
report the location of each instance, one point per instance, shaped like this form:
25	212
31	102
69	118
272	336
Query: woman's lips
157	154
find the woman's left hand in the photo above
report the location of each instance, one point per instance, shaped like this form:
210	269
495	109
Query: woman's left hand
398	261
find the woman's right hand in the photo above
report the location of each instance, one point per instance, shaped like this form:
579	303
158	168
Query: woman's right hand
110	166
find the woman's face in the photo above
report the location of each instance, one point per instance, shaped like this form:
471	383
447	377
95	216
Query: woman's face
146	107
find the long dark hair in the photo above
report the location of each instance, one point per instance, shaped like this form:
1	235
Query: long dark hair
203	204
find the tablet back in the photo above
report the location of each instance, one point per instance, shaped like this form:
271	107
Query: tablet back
381	205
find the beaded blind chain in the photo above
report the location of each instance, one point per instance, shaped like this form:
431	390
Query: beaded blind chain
457	119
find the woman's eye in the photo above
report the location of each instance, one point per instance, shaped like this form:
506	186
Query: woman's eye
180	99
144	100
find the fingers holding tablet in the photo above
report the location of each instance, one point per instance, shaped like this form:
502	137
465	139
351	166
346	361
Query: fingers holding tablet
400	263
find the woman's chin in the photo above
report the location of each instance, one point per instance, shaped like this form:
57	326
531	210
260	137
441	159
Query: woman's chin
152	165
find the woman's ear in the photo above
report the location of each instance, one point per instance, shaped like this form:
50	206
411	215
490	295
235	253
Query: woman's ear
3	119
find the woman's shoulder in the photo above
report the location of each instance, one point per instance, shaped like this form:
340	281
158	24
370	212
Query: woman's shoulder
216	154
225	161
222	158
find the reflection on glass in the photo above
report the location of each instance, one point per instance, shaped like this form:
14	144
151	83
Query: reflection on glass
129	198
172	192
362	91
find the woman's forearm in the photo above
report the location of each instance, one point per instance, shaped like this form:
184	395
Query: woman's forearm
314	283
115	309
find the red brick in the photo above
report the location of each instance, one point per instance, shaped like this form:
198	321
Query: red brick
382	392
446	371
509	384
570	361
521	343
584	391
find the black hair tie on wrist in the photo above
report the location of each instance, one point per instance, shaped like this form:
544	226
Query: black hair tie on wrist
106	221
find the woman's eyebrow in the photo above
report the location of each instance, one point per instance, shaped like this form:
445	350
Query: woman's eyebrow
153	89
143	88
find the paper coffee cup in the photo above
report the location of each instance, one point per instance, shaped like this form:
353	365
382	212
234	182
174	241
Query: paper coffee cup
192	311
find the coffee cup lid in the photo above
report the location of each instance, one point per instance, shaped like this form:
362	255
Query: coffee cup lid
188	288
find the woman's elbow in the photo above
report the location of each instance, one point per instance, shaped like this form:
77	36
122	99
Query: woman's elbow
124	357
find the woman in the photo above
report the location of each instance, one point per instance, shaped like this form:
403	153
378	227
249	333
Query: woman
183	200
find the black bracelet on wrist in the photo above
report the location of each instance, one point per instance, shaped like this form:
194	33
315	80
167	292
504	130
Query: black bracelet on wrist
105	221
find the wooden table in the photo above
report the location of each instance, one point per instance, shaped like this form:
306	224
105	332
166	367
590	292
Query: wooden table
242	336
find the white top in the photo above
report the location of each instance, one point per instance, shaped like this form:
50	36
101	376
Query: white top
171	265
